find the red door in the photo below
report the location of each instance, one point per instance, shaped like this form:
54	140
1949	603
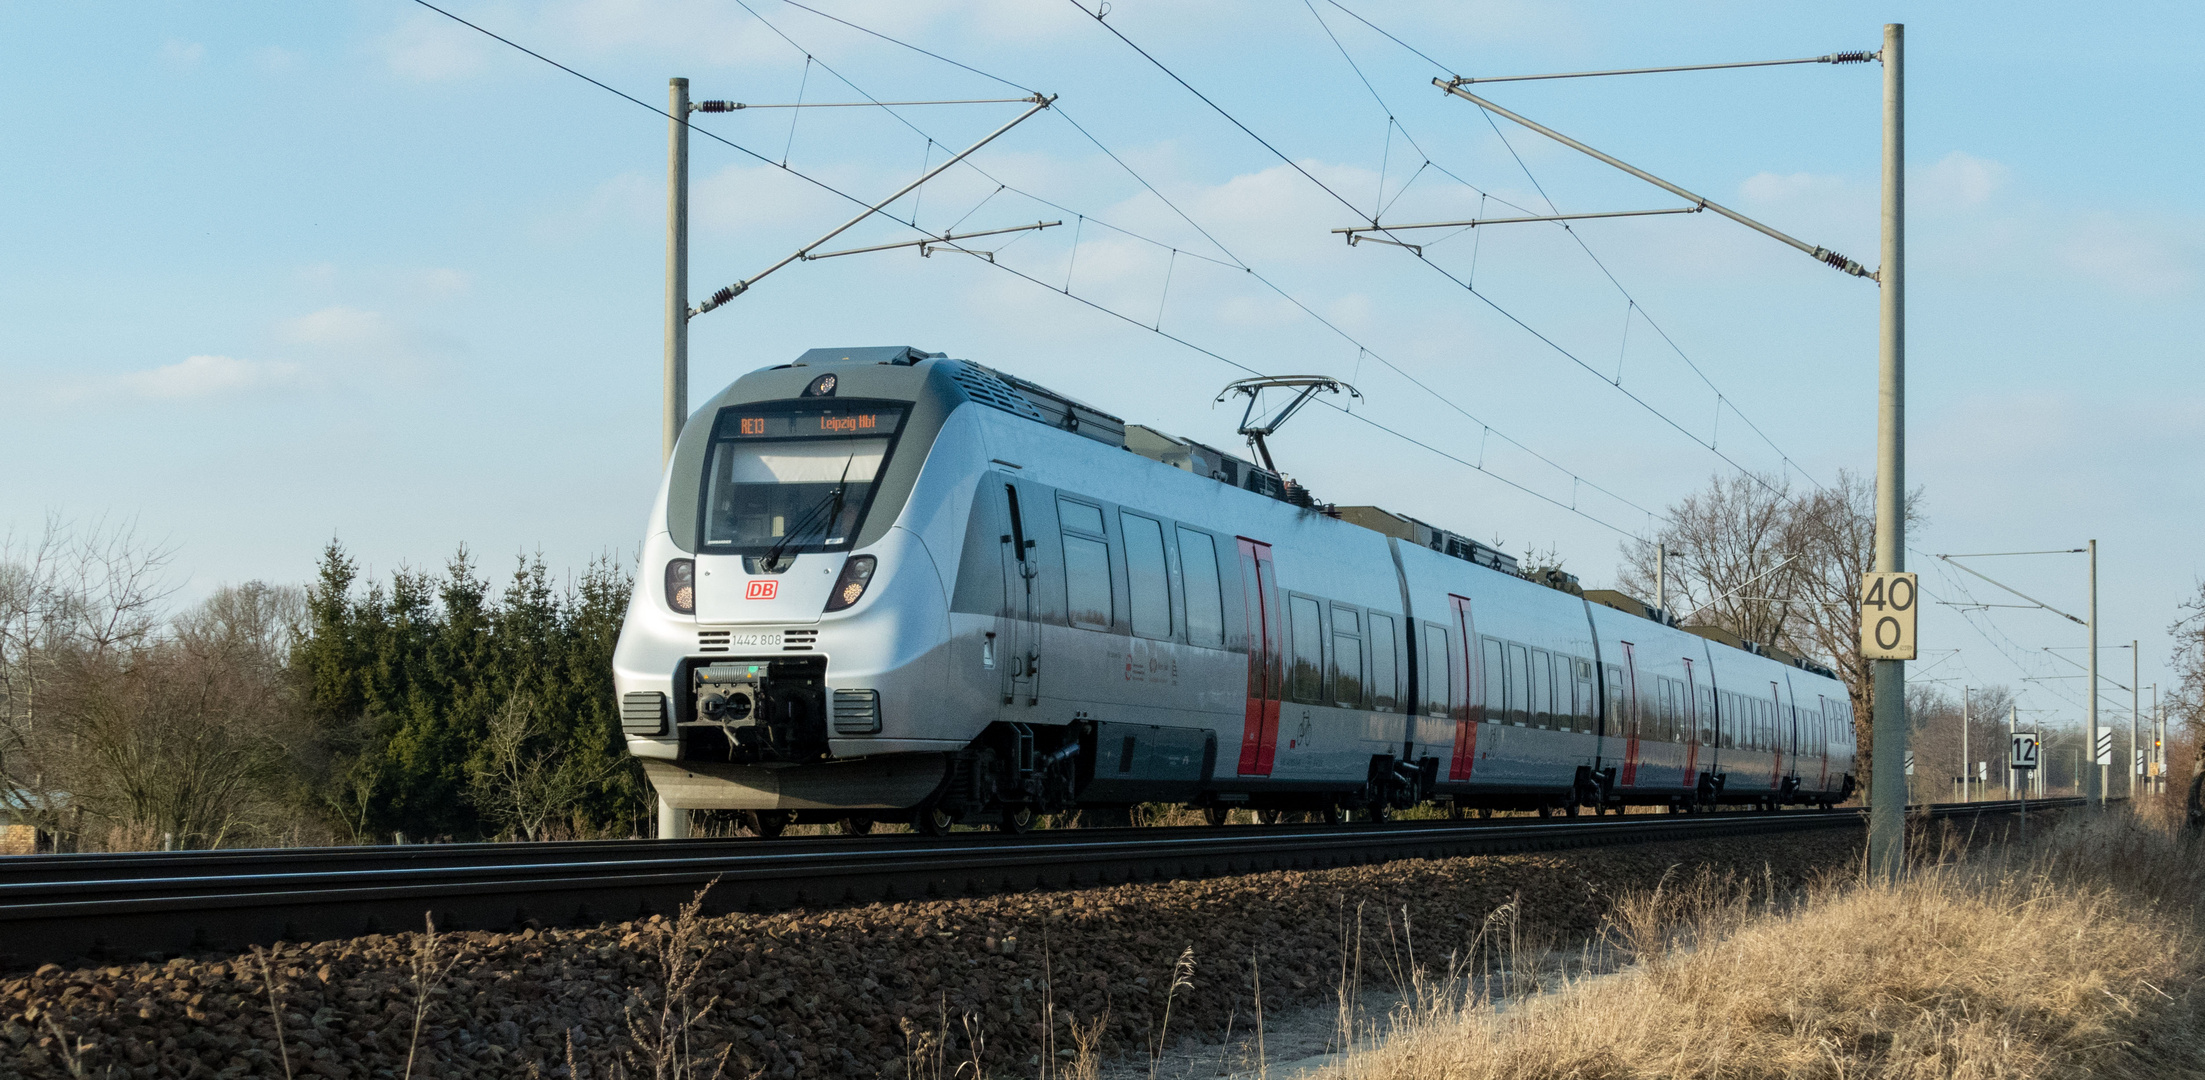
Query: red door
1691	726
1463	692
1630	716
1266	659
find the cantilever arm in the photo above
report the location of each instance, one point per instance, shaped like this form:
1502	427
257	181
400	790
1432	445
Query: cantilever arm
1820	254
743	286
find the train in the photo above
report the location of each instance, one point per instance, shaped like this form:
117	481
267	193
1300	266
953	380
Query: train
882	584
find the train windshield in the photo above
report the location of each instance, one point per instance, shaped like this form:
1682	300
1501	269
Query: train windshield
789	479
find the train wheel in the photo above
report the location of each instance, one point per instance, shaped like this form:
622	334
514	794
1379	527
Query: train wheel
932	820
855	826
766	823
1381	814
1218	815
1270	817
1332	815
1015	819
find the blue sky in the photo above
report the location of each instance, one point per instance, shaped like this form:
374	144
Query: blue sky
276	273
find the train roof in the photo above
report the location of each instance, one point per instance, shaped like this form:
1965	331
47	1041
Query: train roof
1032	401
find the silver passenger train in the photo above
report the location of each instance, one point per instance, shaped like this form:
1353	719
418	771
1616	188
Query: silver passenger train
882	584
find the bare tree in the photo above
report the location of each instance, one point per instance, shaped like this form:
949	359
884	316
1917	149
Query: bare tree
1730	548
2185	705
1752	556
184	738
516	781
70	595
1934	718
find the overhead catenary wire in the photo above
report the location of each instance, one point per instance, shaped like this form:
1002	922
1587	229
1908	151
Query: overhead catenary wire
1722	399
1173	250
846	196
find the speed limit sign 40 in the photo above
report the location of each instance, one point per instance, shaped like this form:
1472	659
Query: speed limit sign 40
1888	604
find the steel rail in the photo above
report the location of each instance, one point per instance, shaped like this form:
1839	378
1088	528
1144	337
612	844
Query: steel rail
62	908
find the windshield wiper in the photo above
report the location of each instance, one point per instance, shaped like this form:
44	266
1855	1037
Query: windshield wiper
831	502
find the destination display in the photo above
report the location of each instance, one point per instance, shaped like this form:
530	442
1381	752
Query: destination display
811	422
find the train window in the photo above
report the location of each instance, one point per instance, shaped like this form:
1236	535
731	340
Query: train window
1080	517
1347	657
1438	672
1087	582
1148	586
1519	685
1542	689
1587	708
1619	718
793	479
1205	603
1496	681
1567	701
1565	711
1306	678
1385	664
1707	715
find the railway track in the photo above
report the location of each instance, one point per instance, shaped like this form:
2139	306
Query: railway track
64	908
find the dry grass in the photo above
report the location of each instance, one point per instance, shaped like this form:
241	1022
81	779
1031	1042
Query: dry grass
2076	955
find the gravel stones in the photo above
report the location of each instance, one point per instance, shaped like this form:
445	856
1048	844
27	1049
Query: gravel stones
878	989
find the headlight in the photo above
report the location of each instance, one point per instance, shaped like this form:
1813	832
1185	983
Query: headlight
681	586
856	574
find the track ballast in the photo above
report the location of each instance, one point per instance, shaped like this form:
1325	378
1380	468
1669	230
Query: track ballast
63	908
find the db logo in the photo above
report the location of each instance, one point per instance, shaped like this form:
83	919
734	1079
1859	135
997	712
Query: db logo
761	590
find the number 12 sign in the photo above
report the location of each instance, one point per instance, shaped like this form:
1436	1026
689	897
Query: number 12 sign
2025	751
1888	603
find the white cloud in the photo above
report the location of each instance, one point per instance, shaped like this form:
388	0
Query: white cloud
198	377
277	60
181	54
445	282
2154	263
1959	180
431	48
340	327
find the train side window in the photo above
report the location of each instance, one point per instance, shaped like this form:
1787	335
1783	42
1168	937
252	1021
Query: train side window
1588	710
1542	689
1519	685
1306	678
1347	657
1496	681
1438	672
1385	665
1706	704
1148	585
1619	720
1205	596
1080	517
1087	585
